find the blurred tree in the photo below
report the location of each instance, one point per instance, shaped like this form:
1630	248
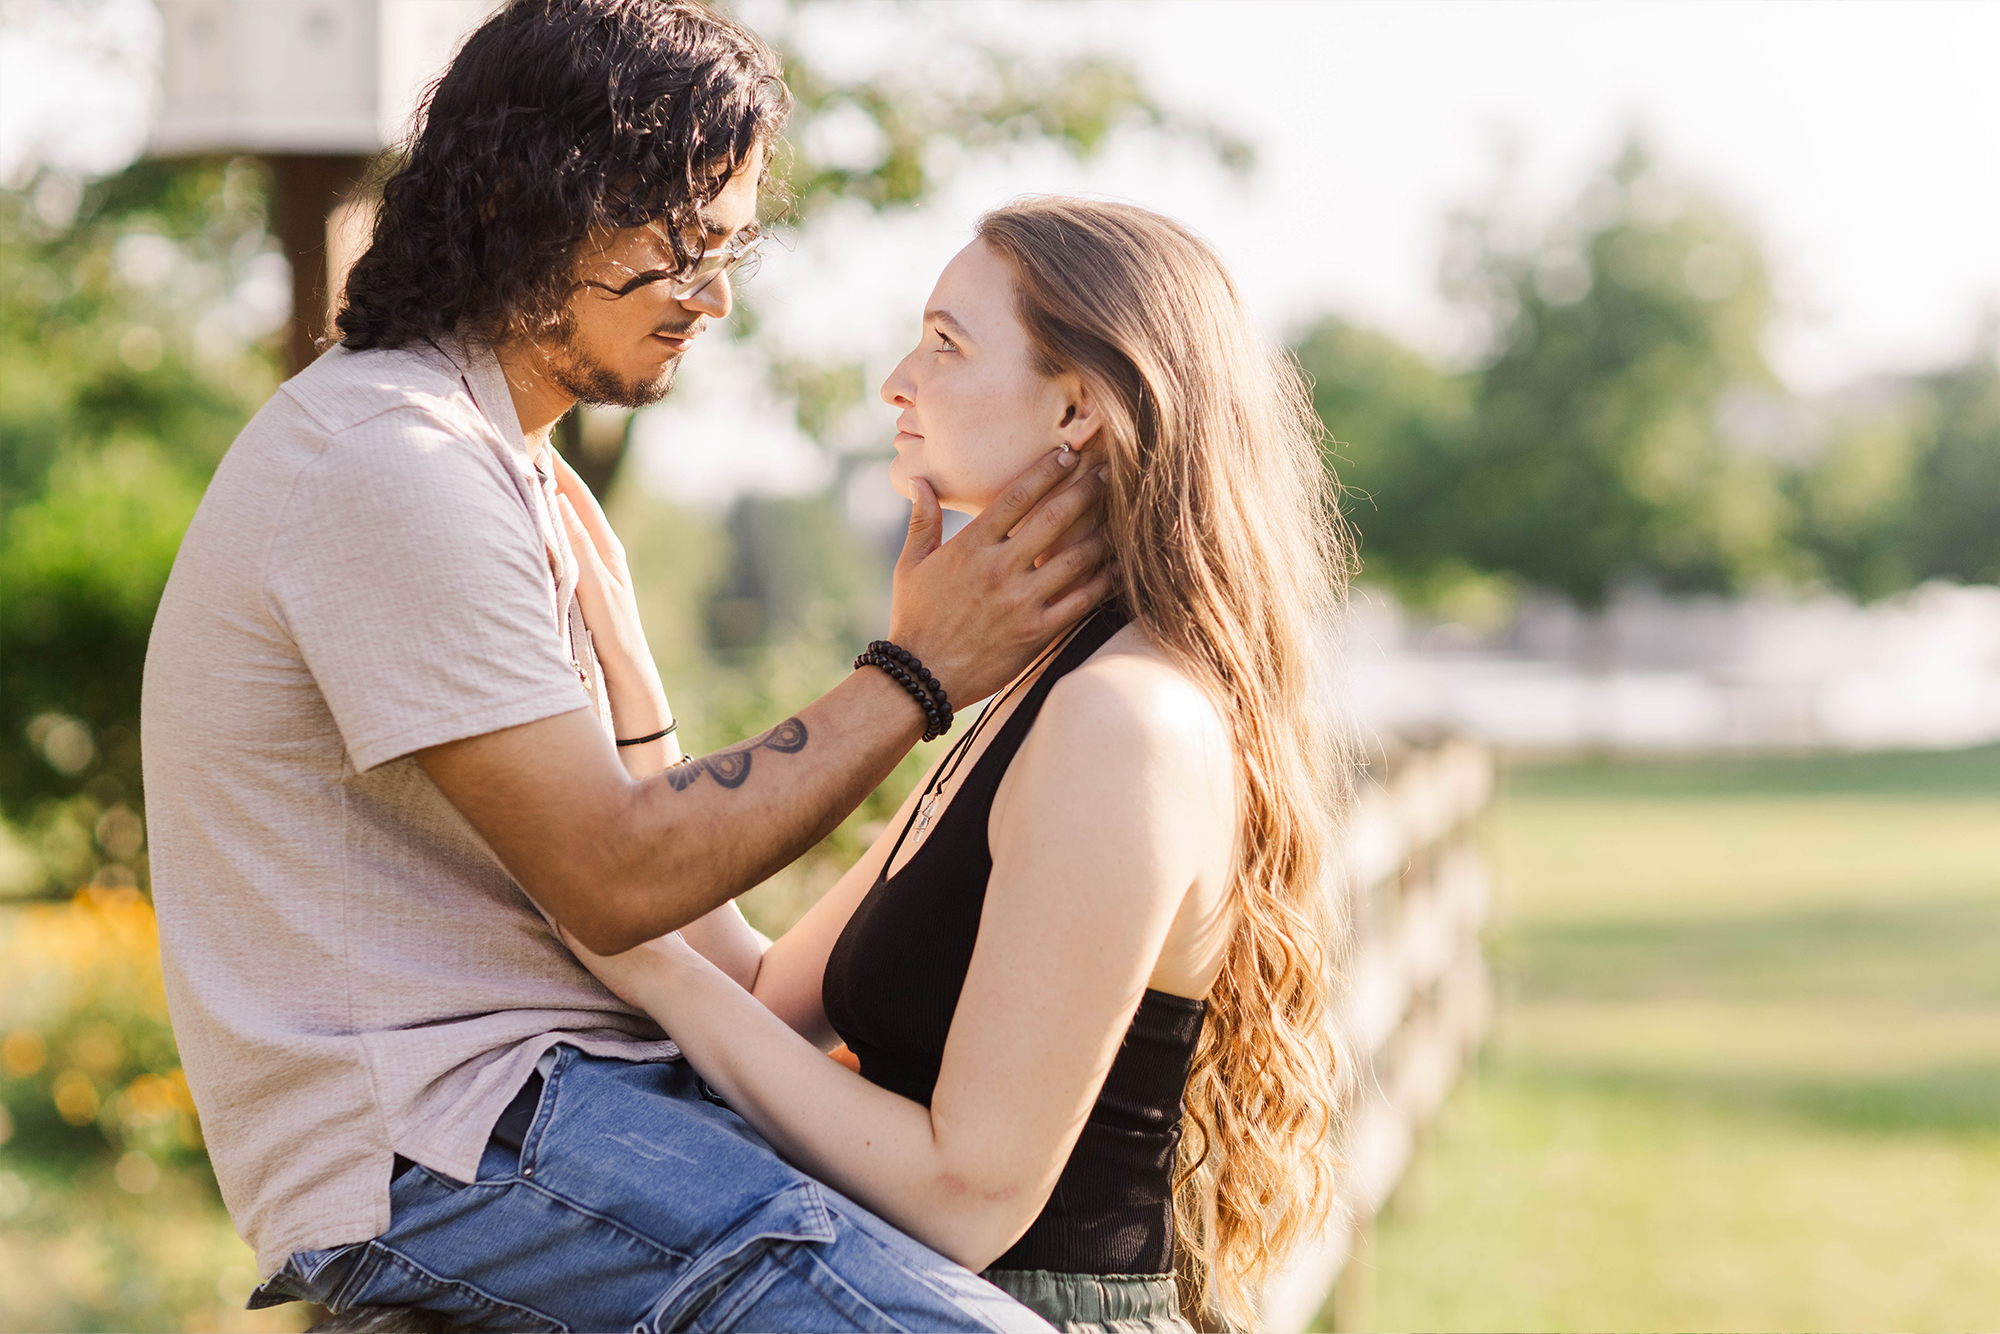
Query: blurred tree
1586	448
795	570
1398	428
1958	471
1909	488
132	318
1595	452
1858	498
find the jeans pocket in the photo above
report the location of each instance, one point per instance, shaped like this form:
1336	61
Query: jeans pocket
791	1287
796	1215
308	1276
385	1277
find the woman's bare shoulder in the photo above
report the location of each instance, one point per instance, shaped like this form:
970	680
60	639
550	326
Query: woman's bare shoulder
1125	788
1133	699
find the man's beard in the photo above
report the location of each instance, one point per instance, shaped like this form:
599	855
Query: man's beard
576	372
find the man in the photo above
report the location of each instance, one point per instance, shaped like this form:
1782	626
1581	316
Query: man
378	757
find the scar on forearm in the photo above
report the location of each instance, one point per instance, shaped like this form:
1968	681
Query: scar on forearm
731	768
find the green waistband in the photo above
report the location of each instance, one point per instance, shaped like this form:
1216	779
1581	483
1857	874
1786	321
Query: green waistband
1088	1303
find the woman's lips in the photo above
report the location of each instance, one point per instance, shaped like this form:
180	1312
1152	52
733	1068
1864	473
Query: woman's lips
902	436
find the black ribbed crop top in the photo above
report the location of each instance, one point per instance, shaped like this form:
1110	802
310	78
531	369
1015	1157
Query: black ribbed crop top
892	984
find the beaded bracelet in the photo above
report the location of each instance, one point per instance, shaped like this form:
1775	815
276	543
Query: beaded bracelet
904	669
934	723
922	673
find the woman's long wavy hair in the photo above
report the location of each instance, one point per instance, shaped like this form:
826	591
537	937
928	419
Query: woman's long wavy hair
1234	562
556	117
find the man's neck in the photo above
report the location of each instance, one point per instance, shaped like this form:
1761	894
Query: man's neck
538	401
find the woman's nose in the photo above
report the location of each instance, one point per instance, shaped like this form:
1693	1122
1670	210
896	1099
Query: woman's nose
896	390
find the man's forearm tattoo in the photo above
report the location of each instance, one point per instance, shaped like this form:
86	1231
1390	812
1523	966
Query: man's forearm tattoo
732	767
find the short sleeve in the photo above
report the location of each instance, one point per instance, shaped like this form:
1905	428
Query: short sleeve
410	573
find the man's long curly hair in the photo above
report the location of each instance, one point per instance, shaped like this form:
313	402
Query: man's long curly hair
557	117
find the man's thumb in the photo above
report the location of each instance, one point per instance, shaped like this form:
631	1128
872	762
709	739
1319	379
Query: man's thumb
926	522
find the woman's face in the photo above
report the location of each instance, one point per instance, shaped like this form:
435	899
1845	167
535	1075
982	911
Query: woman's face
975	414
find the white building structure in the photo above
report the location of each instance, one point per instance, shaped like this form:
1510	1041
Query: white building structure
317	88
1693	674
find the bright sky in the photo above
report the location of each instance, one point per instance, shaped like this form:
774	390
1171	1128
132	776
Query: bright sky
1858	139
1861	140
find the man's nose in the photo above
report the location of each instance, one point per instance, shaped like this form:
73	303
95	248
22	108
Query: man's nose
715	300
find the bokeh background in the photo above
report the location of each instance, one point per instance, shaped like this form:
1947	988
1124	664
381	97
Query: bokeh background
1659	352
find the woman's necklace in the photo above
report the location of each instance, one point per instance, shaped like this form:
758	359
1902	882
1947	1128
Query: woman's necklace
933	793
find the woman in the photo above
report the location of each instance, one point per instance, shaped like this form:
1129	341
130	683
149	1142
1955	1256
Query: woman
1106	899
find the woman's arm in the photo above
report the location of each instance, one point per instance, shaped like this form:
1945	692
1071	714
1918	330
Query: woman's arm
637	698
1076	916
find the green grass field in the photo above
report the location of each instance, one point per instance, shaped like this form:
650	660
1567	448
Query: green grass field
1746	1070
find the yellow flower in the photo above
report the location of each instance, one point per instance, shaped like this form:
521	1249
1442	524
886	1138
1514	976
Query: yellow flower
23	1052
147	1100
75	1097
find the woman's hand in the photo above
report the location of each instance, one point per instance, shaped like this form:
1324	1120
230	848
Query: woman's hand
611	613
604	582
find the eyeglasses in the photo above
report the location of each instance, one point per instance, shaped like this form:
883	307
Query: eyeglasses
739	259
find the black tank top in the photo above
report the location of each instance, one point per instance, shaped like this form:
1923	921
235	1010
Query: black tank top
892	984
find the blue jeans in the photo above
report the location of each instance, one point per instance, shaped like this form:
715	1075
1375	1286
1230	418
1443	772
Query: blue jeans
635	1200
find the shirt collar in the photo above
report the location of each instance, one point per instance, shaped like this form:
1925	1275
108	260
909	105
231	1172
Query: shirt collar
488	383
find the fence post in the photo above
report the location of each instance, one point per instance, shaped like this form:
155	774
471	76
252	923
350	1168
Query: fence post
1415	1005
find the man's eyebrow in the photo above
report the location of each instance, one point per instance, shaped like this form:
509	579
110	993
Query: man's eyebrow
713	226
948	320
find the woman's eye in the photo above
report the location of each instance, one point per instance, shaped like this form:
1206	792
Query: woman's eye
945	344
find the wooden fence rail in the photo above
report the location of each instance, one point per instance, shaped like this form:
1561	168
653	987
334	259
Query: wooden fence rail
1415	1004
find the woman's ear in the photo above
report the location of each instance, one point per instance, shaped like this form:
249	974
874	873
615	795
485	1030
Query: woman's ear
1080	418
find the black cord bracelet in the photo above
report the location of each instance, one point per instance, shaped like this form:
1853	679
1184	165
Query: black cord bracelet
666	731
903	667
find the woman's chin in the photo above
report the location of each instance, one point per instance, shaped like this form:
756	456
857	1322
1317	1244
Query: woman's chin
902	482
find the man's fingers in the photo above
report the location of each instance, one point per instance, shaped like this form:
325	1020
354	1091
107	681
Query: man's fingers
1042	531
926	523
1075	561
1092	519
1023	493
1074	605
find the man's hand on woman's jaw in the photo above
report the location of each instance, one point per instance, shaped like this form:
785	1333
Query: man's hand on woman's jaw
619	861
978	608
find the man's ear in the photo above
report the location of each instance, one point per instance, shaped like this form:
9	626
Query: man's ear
1081	417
